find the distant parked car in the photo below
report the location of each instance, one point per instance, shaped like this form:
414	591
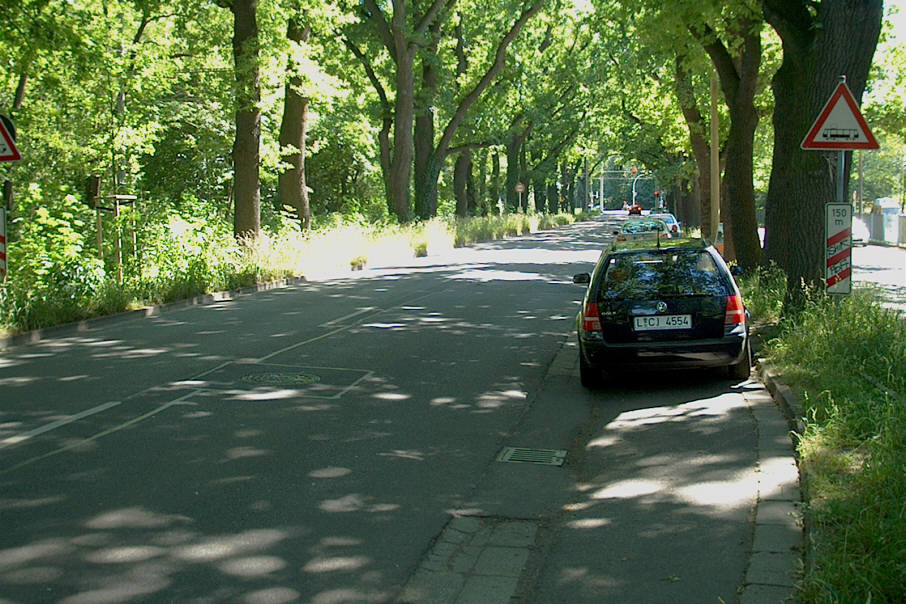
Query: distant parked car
666	305
670	219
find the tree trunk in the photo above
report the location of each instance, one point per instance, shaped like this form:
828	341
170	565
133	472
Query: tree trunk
425	201
513	176
246	148
838	39
701	150
739	82
481	191
461	173
552	196
403	144
293	189
494	189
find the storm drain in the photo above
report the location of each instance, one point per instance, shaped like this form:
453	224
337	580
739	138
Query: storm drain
280	379
547	457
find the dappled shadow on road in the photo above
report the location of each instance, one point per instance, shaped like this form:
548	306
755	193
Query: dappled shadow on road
665	488
273	448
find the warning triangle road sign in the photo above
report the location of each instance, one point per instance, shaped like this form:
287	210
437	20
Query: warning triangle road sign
8	150
840	125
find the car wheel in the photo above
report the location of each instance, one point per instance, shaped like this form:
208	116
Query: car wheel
590	377
742	369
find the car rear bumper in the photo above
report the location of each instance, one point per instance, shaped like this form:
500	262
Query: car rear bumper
668	355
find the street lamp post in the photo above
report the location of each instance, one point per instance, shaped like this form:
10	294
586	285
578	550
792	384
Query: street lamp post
635	180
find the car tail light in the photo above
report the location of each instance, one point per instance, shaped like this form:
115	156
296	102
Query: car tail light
591	321
736	311
675	228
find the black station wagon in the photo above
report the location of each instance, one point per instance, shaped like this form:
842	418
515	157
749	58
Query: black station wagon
661	304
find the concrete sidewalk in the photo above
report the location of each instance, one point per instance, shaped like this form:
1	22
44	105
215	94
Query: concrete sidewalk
542	534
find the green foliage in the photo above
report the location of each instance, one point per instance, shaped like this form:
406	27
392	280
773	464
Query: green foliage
193	252
51	271
763	291
846	358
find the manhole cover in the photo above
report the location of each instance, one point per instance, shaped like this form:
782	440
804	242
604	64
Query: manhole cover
548	457
280	379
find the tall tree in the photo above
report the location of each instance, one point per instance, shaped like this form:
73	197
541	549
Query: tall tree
821	41
247	145
401	35
444	146
738	74
293	129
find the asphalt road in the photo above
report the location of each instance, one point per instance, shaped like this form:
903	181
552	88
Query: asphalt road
323	442
884	268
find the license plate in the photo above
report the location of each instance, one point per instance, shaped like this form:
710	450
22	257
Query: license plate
662	322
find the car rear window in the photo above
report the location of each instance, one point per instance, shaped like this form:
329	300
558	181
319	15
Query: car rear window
642	226
642	275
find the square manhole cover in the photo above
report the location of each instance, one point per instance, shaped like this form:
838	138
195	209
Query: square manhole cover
547	457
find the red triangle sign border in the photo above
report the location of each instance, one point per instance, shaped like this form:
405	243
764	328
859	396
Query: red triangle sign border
13	153
811	143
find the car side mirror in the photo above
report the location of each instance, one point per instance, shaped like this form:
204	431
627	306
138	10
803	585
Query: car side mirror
735	270
582	278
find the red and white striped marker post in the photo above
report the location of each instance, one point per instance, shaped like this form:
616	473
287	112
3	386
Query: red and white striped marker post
838	253
3	267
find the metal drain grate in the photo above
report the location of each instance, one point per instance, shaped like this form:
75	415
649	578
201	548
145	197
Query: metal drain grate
547	457
280	379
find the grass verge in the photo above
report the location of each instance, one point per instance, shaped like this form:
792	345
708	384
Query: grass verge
187	258
846	358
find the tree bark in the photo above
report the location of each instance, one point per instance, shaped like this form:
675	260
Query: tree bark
462	171
701	151
291	182
494	189
425	204
839	38
246	147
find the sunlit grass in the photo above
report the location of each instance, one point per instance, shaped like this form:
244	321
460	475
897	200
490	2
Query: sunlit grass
847	359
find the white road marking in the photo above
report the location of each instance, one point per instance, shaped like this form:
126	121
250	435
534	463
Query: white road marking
18	438
349	316
99	435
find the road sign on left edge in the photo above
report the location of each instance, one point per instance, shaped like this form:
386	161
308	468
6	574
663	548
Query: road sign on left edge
8	150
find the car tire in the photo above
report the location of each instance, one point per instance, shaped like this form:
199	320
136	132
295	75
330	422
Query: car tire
742	369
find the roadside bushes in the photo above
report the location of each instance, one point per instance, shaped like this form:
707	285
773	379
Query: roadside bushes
56	277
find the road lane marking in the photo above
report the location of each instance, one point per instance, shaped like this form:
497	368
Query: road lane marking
14	440
349	316
341	329
99	435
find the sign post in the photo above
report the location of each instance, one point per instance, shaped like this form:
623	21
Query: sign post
520	188
839	127
3	264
